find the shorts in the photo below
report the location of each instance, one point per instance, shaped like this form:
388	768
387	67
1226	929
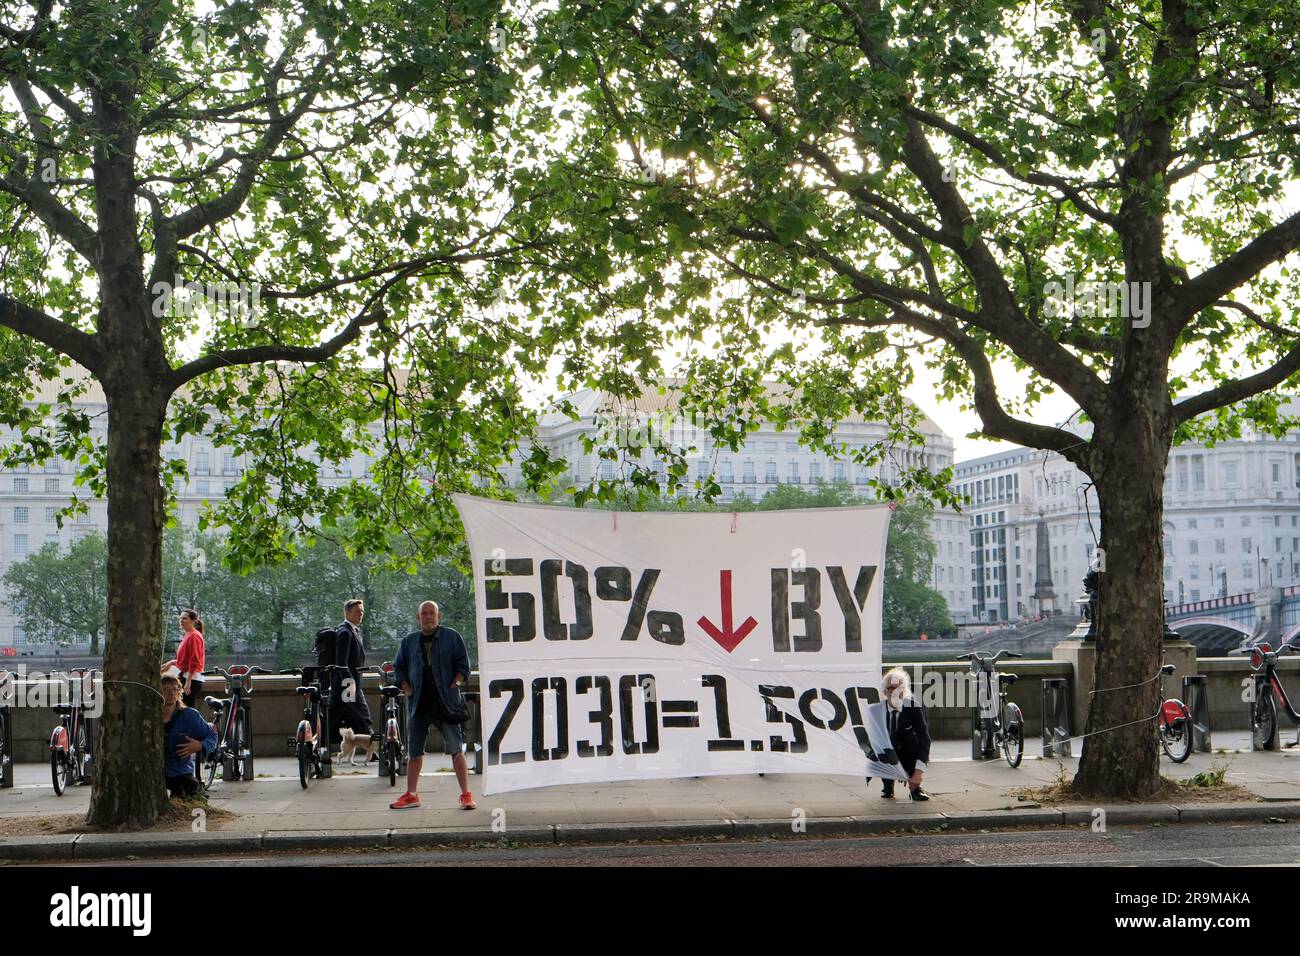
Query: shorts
453	737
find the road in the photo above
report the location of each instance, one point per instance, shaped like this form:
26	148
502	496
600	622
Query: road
1205	845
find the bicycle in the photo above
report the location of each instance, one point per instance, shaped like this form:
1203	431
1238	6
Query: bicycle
392	753
311	742
69	742
1174	724
1263	708
234	750
1001	727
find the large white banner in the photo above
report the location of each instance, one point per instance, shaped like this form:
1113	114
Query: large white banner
617	646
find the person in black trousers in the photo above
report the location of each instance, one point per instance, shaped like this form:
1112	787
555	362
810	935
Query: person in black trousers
908	732
350	653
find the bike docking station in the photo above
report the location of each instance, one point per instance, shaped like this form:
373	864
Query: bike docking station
245	676
1196	696
393	707
1056	717
324	678
7	683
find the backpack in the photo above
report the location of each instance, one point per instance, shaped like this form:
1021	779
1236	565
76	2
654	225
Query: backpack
326	641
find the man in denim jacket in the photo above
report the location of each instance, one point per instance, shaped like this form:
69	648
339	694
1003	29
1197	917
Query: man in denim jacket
431	665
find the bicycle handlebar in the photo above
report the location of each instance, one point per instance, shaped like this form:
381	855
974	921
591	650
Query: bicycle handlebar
985	658
255	669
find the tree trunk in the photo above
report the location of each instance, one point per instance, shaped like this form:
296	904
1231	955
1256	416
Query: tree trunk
128	789
1120	752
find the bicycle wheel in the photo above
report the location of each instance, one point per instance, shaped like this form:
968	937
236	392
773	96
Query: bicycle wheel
58	772
304	763
210	764
239	762
1176	730
80	753
1013	744
394	756
1264	719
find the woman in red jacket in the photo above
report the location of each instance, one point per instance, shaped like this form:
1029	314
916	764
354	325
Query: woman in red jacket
190	657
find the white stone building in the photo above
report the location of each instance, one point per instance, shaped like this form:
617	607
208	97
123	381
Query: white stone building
1232	521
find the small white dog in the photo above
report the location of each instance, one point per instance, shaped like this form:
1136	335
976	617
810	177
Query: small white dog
353	741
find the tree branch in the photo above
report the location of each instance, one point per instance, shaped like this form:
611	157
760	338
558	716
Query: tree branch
81	347
999	159
995	419
1240	389
276	353
1216	282
216	210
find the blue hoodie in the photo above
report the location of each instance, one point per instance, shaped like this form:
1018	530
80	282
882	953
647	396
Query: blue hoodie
185	722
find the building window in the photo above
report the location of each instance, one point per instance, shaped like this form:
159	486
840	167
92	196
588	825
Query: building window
20	634
607	470
1193	547
727	474
1229	473
769	473
748	476
20	516
52	484
1191	524
201	486
1220	546
1218	522
815	472
20	485
1245	546
201	465
20	544
1277	473
794	473
49	515
52	466
230	467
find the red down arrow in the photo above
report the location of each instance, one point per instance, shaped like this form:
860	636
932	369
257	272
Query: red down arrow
728	637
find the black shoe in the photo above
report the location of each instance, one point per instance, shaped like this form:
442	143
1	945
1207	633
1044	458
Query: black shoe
887	793
918	794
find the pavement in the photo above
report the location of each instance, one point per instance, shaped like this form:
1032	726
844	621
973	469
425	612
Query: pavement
350	810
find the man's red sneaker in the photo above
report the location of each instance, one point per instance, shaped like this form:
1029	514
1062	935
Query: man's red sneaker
407	799
467	801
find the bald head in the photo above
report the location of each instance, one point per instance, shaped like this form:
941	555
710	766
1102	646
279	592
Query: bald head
429	616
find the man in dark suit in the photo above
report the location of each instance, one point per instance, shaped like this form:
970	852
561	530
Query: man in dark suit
349	652
908	732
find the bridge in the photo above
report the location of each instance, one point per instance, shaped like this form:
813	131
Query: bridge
1220	625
